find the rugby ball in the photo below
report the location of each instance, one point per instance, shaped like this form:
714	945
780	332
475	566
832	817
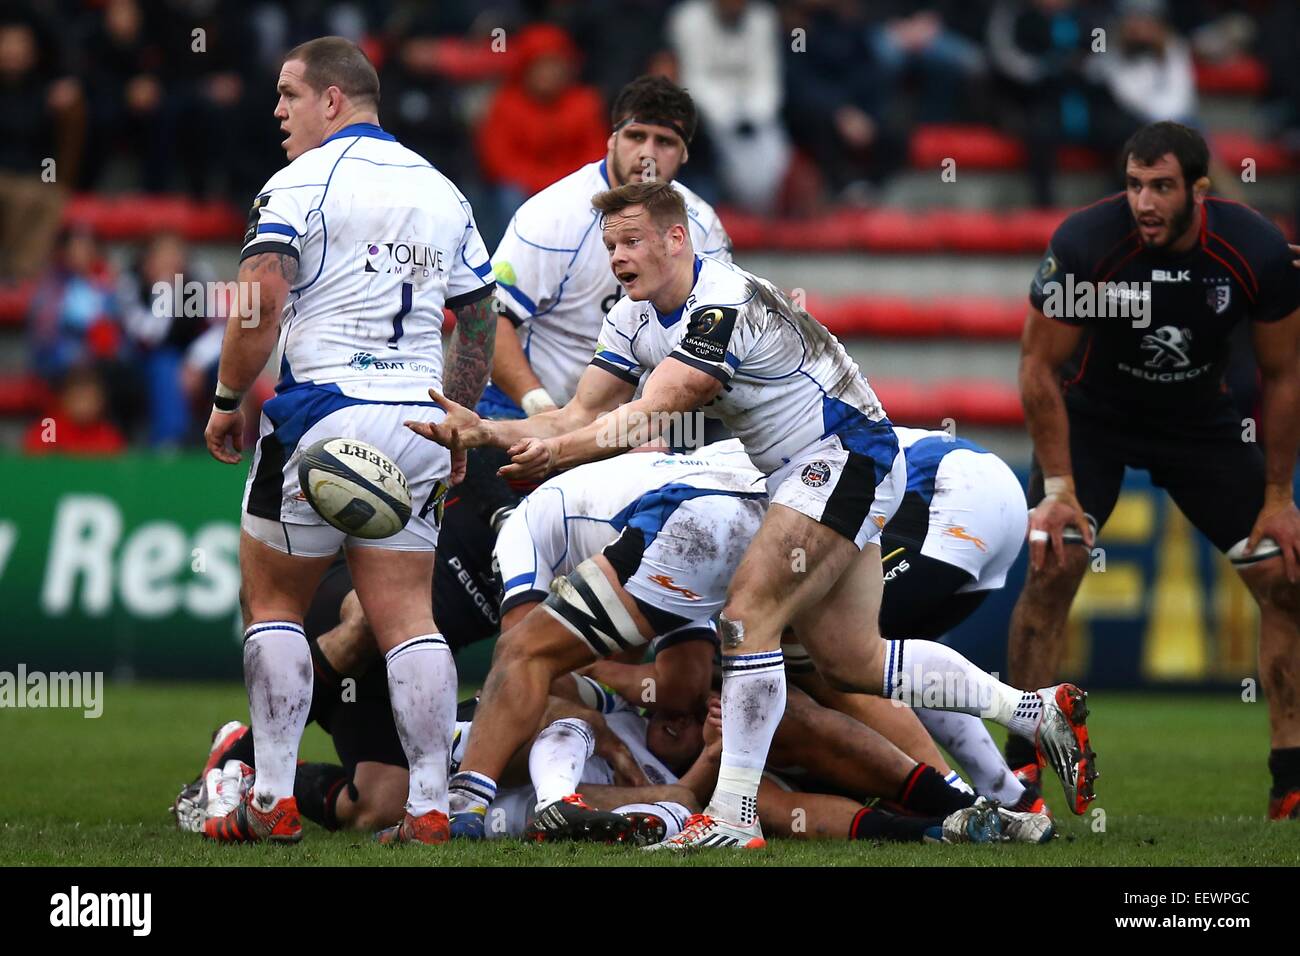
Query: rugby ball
355	487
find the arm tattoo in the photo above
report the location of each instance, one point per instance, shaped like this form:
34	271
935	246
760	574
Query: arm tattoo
469	359
269	264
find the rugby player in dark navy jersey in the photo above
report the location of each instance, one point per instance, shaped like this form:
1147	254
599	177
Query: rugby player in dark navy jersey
1146	391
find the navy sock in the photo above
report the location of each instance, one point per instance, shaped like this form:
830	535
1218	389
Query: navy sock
926	793
1284	764
1020	752
870	824
317	787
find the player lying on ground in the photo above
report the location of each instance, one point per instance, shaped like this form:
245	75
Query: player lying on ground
1103	393
641	776
353	250
713	336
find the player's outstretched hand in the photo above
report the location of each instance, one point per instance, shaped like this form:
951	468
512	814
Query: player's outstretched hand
461	429
1047	524
531	459
1282	524
222	426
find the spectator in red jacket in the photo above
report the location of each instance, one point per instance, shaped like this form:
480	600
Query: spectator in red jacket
78	423
541	124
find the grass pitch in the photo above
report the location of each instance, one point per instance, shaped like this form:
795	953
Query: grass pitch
1183	784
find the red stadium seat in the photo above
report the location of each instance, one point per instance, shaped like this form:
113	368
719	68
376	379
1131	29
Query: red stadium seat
135	217
904	318
14	300
467	61
971	146
986	403
22	395
1232	149
1242	76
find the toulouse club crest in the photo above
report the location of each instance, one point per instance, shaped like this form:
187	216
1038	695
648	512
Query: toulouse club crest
1218	297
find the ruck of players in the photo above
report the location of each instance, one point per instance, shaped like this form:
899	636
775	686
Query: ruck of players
666	674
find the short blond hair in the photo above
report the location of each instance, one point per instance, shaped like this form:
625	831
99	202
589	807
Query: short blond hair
662	202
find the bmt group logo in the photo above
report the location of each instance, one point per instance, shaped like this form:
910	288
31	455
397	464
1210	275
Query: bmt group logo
415	260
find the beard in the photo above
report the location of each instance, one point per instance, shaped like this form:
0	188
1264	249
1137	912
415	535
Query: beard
1179	224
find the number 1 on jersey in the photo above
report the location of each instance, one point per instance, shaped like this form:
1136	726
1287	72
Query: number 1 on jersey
407	289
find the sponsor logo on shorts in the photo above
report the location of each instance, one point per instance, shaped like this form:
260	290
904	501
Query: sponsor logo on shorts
815	474
896	570
666	582
961	534
367	362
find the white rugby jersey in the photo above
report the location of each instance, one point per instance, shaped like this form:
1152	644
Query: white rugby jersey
553	275
574	515
383	241
787	382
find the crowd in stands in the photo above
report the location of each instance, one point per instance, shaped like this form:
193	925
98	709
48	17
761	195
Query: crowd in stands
805	105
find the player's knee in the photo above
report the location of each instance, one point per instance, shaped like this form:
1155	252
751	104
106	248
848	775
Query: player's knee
370	819
518	648
1057	581
1273	592
845	678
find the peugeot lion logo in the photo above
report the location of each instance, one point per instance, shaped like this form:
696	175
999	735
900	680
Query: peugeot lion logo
1168	346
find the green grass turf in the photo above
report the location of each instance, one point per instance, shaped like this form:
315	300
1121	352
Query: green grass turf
1183	784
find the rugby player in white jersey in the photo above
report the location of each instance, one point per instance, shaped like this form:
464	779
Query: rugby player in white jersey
354	248
712	336
955	536
553	281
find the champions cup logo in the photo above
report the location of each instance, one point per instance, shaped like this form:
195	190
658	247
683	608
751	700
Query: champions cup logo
416	260
816	474
1168	347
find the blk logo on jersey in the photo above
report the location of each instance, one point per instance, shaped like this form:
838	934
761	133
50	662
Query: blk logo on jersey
416	260
815	474
1218	297
1168	347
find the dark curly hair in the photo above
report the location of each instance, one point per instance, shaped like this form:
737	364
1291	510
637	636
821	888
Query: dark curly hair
1154	140
652	98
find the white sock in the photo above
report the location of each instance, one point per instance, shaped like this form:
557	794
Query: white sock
278	675
422	690
968	740
753	701
955	781
469	791
674	815
557	758
926	674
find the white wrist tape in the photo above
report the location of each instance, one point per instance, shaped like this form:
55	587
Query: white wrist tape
537	400
1058	485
